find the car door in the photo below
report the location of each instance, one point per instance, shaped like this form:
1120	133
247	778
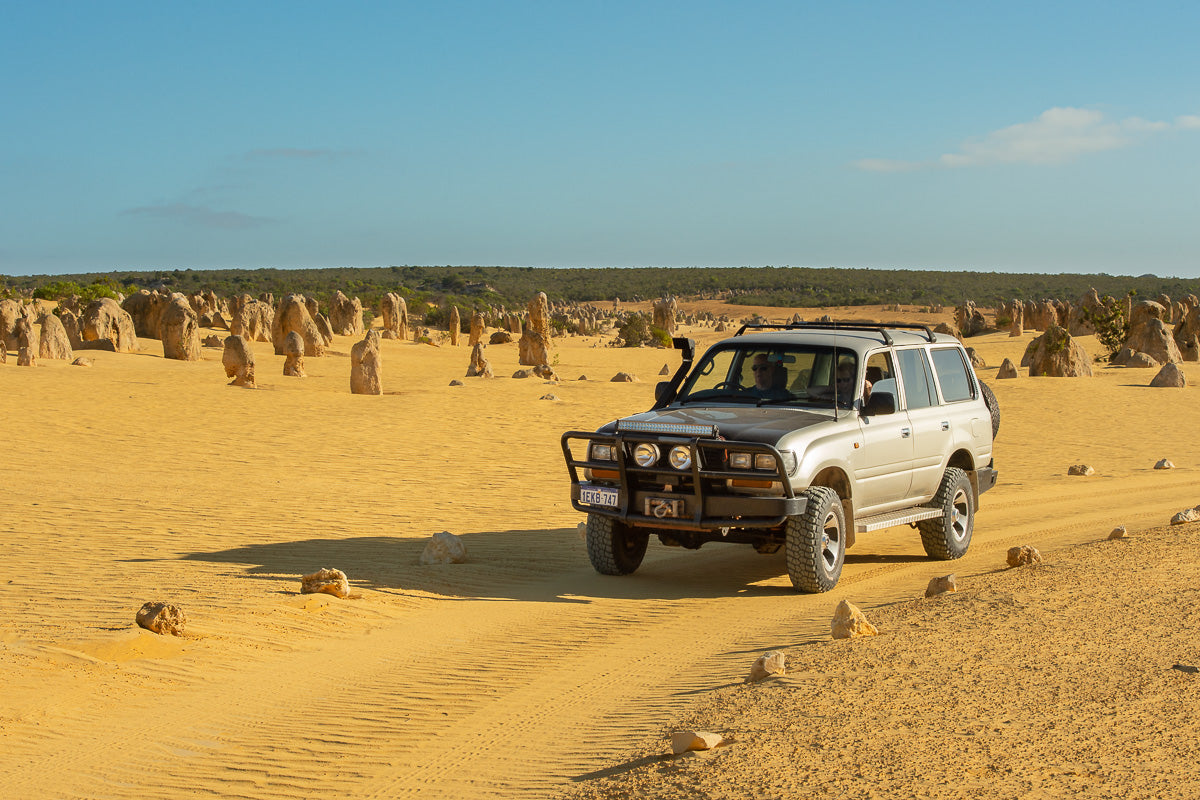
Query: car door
931	434
883	465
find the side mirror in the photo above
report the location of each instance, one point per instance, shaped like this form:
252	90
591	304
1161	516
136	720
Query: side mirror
880	403
661	390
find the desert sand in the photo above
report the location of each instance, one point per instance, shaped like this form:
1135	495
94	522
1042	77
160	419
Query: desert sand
523	673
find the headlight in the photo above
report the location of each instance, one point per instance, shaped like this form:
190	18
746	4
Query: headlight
646	454
681	457
740	460
602	452
764	461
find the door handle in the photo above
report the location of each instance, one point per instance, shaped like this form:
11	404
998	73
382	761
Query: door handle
905	433
945	424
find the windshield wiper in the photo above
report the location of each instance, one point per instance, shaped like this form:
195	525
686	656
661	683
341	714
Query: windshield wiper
715	397
771	401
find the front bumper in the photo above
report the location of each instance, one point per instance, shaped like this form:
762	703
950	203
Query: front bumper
704	506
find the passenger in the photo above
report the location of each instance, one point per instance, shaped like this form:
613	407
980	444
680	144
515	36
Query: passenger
845	386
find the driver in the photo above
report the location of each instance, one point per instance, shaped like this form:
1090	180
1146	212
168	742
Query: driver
770	378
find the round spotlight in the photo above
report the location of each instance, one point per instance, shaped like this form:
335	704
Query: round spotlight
681	457
646	454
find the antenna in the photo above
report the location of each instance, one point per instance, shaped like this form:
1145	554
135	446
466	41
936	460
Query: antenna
835	372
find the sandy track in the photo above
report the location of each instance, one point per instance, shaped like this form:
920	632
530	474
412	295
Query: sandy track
512	675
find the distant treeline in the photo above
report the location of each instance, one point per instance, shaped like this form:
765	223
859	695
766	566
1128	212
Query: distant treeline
476	287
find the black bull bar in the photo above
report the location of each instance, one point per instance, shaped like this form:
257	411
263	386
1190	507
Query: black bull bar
703	508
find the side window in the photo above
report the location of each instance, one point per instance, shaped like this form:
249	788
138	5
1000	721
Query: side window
879	368
952	374
918	383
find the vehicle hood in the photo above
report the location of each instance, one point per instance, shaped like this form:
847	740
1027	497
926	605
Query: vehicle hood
765	425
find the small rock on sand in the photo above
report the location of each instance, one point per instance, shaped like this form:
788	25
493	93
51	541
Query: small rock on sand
1164	464
1080	469
772	662
683	741
550	397
1007	369
1186	516
326	581
946	583
1024	555
1118	532
623	377
82	362
456	382
849	623
666	370
444	548
1170	376
163	618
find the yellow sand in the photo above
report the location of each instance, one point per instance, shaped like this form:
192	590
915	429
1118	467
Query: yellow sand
522	673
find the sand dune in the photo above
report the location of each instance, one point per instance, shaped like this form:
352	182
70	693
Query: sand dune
520	673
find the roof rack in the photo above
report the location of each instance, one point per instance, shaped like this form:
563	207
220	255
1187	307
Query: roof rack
880	329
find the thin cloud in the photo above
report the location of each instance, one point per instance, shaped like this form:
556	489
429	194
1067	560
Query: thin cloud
200	216
1057	136
289	152
886	165
297	153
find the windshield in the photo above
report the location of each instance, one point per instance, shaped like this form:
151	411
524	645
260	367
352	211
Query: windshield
776	374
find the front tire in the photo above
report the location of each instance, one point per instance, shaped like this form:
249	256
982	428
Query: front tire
816	542
949	537
613	547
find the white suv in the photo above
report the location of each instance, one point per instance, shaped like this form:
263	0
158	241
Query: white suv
798	436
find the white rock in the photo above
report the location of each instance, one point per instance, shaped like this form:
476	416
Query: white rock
1024	554
164	618
444	548
849	623
683	741
1118	532
946	583
1164	464
773	662
1186	516
326	581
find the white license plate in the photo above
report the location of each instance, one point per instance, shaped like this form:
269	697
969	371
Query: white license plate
599	496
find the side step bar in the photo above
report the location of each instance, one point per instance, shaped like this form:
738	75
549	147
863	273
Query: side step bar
901	517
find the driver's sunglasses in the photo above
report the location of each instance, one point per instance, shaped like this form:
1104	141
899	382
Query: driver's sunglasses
760	367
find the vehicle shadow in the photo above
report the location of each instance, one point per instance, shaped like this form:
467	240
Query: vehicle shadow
531	565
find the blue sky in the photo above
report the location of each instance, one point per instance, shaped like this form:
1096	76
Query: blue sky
1018	137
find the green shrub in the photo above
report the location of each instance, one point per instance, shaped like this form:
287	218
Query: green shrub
57	290
636	331
1112	327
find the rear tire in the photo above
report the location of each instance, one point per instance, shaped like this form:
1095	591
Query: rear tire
816	542
614	548
949	537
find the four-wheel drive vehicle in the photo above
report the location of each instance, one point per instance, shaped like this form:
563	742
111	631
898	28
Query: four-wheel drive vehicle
797	436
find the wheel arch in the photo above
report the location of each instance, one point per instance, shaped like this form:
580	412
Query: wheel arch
963	459
835	478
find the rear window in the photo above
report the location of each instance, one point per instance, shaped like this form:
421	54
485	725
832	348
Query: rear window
952	374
